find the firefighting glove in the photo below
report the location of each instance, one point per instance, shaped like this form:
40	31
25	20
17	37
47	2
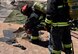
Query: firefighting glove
27	28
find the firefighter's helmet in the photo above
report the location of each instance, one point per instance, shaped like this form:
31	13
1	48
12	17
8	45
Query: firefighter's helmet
26	10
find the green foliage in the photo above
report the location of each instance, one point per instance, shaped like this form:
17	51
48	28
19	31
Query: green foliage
16	17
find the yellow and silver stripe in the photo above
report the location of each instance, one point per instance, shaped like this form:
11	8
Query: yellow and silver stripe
59	24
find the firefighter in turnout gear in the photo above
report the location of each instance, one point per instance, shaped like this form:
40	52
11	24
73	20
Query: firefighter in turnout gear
35	20
58	17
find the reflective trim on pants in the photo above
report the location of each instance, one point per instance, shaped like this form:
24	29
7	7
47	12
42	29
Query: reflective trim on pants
34	37
67	45
56	52
53	51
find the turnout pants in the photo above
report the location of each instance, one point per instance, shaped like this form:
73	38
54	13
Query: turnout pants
60	38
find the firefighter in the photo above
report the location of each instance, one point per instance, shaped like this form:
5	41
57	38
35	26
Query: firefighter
58	17
35	20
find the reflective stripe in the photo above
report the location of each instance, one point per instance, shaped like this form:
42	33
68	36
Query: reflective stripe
45	8
67	45
56	52
60	6
60	24
48	21
41	17
57	23
53	51
34	38
43	23
40	7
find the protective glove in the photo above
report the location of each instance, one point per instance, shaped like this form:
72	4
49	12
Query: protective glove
27	29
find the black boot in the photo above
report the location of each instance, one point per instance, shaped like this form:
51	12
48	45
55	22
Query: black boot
68	51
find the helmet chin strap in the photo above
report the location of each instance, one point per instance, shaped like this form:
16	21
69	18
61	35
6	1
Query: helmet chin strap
24	7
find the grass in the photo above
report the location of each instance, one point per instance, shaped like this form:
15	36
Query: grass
16	17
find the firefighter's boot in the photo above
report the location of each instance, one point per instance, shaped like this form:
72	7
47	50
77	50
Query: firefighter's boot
68	51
